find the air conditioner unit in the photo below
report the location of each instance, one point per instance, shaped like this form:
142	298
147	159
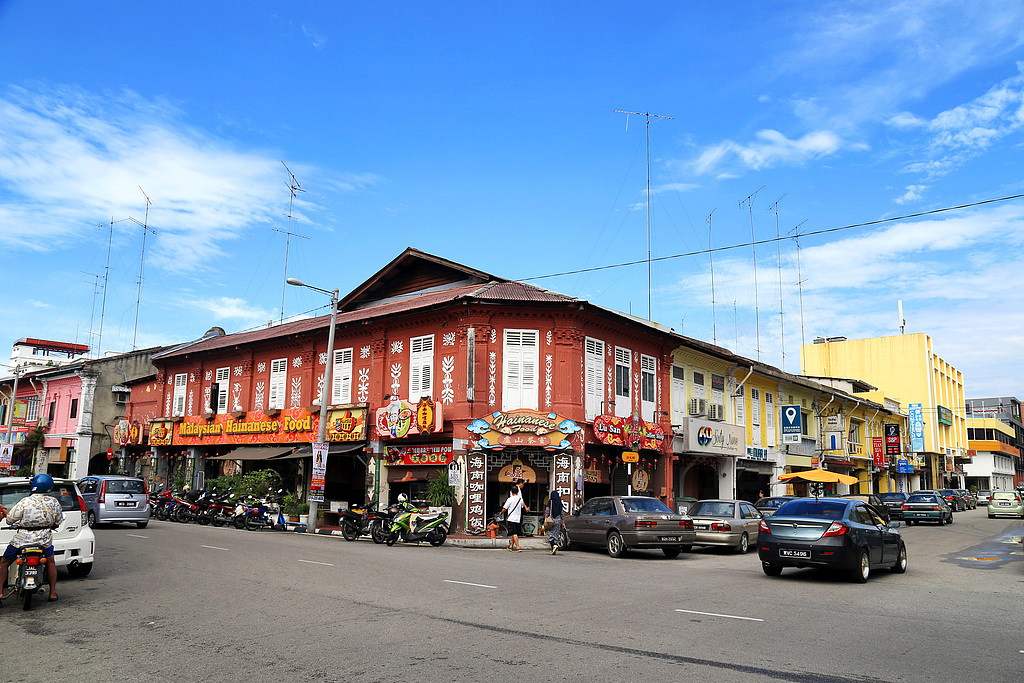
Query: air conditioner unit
698	406
716	411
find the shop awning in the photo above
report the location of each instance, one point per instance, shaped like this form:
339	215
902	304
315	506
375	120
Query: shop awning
254	453
333	449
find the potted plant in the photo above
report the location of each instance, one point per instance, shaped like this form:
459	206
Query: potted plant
292	506
440	494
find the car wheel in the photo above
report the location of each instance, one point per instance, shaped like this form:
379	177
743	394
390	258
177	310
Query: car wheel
901	561
942	520
91	518
671	551
563	540
950	518
771	569
616	548
863	569
744	545
79	571
142	525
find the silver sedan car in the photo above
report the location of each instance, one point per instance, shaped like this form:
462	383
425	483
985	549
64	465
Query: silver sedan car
619	523
729	523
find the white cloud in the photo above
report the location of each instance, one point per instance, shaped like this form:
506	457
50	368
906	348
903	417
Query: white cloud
912	194
232	308
772	148
70	159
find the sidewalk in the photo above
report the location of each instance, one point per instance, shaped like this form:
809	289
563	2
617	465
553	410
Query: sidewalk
461	541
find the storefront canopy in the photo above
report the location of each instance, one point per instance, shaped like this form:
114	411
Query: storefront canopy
333	449
254	453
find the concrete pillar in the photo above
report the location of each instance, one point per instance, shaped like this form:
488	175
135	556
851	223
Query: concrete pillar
79	466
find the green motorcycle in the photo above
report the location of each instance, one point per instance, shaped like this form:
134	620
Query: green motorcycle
431	528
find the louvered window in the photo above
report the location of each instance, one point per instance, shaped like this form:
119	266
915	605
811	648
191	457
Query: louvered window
623	372
593	381
769	417
219	391
520	364
678	395
277	384
421	368
648	374
180	383
341	377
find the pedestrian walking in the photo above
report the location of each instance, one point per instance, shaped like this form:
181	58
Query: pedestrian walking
555	511
514	508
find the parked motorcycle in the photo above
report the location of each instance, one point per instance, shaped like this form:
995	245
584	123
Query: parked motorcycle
357	522
381	526
30	574
431	528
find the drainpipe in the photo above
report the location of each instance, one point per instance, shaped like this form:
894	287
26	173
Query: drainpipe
750	371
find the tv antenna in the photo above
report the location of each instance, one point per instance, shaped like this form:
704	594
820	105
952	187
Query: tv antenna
711	258
799	280
293	188
92	312
648	116
142	260
778	254
106	281
749	201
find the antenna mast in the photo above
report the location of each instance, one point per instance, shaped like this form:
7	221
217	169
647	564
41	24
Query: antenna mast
799	281
778	253
142	261
749	201
293	188
648	116
92	312
711	257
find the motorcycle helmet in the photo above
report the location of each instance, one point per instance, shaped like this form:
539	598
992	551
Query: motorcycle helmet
402	498
42	483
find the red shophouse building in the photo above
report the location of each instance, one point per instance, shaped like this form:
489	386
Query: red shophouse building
437	367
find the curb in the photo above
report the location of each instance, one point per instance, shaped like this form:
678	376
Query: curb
482	542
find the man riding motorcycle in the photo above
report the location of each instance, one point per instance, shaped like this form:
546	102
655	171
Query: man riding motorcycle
38	514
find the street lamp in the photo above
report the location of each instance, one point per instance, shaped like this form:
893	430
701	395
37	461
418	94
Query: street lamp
321	431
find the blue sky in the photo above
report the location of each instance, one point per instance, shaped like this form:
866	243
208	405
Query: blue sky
486	133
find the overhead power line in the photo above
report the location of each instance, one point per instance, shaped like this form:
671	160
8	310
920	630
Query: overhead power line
771	240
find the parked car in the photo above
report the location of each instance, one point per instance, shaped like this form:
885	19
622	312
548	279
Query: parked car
620	523
768	506
872	500
953	499
1005	503
114	498
927	507
73	541
729	523
838	533
984	495
970	497
894	501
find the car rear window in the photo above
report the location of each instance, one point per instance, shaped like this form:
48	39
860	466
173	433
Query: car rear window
926	498
1005	494
64	493
812	508
893	496
125	486
712	508
771	502
645	505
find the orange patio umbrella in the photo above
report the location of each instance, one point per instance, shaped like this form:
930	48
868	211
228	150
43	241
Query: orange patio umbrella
823	476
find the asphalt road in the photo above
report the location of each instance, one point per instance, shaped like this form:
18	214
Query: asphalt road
189	603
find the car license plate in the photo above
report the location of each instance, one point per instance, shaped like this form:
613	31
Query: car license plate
701	527
124	503
1005	504
786	552
668	538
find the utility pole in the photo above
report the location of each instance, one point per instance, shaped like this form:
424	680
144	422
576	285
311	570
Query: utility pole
648	116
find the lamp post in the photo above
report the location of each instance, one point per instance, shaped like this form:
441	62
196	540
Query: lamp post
321	431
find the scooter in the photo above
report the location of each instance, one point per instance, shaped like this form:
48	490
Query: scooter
30	575
356	522
431	528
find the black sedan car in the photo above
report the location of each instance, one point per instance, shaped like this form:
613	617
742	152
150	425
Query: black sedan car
768	506
834	533
894	500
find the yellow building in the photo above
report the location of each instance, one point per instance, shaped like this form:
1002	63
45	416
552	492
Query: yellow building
905	368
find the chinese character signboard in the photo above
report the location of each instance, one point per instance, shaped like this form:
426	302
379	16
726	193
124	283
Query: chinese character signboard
160	433
476	475
892	439
628	432
916	427
418	455
400	419
523	428
878	450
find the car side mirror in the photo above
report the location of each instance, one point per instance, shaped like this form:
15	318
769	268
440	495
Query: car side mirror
894	524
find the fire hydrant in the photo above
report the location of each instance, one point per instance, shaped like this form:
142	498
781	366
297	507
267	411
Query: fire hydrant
492	530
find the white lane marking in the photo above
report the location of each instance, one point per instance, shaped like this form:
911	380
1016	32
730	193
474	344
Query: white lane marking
466	583
326	564
212	547
712	614
136	536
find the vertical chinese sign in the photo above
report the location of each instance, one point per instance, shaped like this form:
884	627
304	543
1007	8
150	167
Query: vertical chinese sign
476	478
